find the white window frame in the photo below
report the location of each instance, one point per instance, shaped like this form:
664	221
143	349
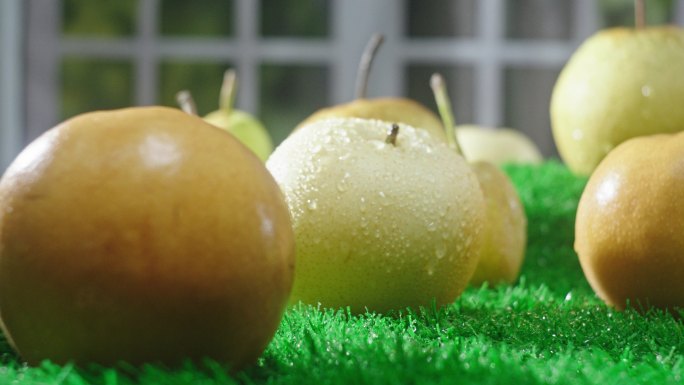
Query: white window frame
352	22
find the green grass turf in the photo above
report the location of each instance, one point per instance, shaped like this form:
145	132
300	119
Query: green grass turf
549	328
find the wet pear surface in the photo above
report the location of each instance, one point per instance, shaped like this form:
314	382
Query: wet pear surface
630	224
378	225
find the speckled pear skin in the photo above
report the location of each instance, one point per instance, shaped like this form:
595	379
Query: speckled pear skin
378	226
142	235
621	83
630	224
392	110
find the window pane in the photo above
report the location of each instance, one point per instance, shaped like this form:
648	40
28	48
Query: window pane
460	85
101	18
305	18
94	84
289	94
621	13
539	19
429	18
203	80
197	17
528	91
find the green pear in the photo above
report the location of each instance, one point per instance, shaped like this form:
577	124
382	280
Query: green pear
621	83
245	127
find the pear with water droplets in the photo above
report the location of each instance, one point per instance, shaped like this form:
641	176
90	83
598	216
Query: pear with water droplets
621	83
382	221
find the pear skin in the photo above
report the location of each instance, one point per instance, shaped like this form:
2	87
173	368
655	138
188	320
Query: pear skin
142	235
630	224
621	83
505	231
392	110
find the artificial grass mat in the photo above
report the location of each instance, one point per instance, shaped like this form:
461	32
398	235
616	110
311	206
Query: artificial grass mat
549	328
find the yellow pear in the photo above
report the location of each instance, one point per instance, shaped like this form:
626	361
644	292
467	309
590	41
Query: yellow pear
389	109
497	145
505	231
381	221
621	83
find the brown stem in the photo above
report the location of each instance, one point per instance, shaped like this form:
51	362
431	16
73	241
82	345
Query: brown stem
392	134
640	13
186	102
365	64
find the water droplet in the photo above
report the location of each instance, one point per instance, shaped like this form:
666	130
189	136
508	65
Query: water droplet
440	250
379	145
316	149
432	226
342	185
646	90
312	204
577	134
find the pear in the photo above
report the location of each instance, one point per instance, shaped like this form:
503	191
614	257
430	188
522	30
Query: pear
389	109
382	220
505	231
498	146
245	127
620	83
630	221
141	235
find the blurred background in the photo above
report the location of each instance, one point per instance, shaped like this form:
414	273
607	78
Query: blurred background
59	58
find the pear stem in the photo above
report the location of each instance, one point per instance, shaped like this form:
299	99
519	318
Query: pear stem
365	64
228	91
444	105
392	134
186	102
639	14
